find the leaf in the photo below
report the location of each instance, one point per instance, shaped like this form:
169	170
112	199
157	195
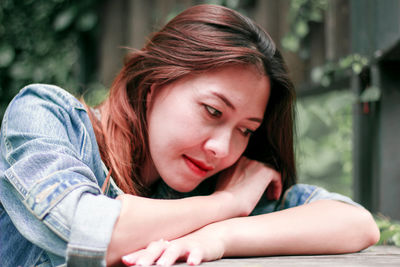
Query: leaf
291	43
345	62
396	239
7	55
87	21
64	19
386	236
303	120
301	28
232	3
371	94
21	71
325	81
315	15
316	74
339	101
357	67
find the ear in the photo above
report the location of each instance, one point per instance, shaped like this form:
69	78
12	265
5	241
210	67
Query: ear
150	95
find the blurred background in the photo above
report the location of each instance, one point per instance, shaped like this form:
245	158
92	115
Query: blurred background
343	56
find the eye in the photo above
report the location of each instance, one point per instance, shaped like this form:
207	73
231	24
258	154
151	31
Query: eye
213	111
246	132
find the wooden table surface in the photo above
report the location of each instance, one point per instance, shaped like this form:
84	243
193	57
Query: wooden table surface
376	256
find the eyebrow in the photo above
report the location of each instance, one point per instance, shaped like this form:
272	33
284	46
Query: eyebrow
224	99
230	105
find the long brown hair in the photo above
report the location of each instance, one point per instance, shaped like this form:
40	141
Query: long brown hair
201	38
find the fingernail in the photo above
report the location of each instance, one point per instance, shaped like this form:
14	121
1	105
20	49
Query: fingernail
142	263
162	262
127	260
193	262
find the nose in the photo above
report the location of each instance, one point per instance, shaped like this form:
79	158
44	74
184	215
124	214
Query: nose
219	143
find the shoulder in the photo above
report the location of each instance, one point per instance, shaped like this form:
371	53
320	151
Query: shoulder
47	116
41	110
50	93
300	194
40	104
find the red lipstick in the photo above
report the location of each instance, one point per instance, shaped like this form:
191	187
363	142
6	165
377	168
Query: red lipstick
197	166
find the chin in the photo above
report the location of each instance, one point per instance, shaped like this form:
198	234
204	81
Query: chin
184	188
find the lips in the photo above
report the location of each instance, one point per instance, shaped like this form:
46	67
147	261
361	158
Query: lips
197	166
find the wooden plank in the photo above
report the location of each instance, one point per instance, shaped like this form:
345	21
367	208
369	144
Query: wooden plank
387	256
375	25
363	26
111	40
337	27
387	23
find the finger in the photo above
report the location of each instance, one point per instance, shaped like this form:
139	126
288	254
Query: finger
130	259
153	252
171	254
195	257
148	255
274	189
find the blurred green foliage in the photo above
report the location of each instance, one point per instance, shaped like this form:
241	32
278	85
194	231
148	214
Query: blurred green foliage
301	13
390	231
324	147
324	144
330	71
47	41
324	141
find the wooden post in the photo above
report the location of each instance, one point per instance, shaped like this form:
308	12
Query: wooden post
376	34
337	29
389	138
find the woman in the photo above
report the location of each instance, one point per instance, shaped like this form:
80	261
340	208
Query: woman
196	134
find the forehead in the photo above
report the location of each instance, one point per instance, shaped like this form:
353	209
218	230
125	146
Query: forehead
244	87
240	85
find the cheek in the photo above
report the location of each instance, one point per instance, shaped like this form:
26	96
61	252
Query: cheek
176	129
238	146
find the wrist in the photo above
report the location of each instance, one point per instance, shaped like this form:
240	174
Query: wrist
217	234
232	205
226	205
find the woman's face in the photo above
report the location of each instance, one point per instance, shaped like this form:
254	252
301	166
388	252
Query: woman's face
201	124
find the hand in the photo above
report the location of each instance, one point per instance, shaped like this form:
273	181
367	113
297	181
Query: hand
246	181
199	246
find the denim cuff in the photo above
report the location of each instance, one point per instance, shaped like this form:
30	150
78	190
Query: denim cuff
91	230
321	193
300	194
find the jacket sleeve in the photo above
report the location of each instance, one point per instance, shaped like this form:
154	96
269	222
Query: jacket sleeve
47	186
297	195
300	194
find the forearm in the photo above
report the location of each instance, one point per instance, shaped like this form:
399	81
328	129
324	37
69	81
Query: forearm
143	220
322	227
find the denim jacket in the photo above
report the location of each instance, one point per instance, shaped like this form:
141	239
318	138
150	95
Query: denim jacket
52	210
